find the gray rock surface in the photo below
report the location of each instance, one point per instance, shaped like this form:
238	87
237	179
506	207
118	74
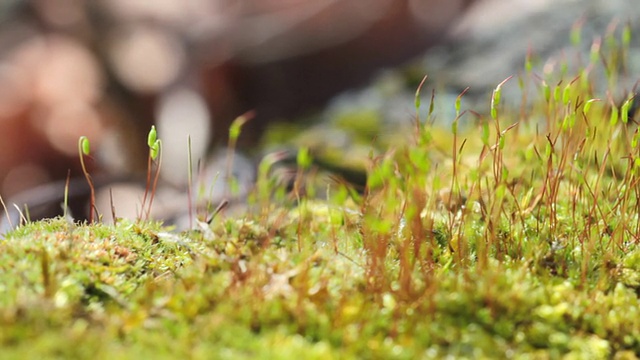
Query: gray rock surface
491	42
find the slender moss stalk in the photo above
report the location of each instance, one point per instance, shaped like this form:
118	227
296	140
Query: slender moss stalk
84	149
155	149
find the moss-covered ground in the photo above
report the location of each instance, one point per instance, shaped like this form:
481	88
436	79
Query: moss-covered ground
514	233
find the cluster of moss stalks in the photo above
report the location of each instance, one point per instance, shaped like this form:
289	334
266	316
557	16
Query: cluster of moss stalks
515	235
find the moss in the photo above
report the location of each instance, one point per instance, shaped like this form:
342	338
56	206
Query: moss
485	241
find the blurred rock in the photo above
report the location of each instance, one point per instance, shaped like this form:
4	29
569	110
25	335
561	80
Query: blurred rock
492	40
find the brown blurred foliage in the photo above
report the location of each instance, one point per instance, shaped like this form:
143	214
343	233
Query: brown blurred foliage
108	69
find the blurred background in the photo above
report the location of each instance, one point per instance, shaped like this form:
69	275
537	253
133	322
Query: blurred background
109	69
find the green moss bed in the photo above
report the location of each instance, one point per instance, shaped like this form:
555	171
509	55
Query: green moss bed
512	233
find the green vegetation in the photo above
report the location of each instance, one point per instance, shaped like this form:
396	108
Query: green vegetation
513	234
